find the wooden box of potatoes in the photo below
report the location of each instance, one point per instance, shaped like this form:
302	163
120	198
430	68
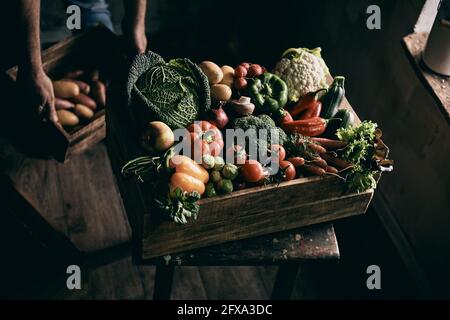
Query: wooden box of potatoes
80	68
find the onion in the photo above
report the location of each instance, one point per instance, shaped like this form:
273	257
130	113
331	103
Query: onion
219	117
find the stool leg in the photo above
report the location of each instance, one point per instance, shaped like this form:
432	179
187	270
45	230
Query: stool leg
284	281
163	282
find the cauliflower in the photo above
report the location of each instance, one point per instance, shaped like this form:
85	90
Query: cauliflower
303	70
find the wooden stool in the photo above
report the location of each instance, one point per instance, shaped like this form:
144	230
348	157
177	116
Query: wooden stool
287	250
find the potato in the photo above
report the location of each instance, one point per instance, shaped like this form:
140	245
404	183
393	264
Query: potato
228	76
221	92
84	87
84	100
83	112
67	118
99	93
63	104
212	71
65	89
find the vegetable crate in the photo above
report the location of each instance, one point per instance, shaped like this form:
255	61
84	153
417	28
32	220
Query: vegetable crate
97	48
242	214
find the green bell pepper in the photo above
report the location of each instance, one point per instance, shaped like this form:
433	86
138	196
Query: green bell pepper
268	92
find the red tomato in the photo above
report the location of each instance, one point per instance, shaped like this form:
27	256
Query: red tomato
255	70
240	83
278	151
246	65
288	170
253	171
206	138
240	72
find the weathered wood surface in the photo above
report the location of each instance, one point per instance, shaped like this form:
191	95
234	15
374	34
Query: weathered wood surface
120	278
309	243
87	136
237	216
78	199
166	239
438	86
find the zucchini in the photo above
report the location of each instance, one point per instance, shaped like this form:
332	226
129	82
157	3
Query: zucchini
332	126
333	98
346	120
347	117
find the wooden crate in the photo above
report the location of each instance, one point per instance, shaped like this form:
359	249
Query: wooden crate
98	48
242	214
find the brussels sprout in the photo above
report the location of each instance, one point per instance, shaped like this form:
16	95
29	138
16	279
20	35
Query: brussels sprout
208	161
225	186
219	163
215	176
210	191
230	171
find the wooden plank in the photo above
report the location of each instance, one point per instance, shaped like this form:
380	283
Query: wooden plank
78	199
188	284
161	243
33	222
437	85
254	200
308	243
93	209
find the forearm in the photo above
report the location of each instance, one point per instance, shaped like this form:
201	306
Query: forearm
135	11
30	35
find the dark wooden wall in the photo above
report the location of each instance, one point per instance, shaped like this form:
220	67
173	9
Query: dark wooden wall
383	86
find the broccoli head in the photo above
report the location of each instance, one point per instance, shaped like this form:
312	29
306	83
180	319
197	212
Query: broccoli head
262	121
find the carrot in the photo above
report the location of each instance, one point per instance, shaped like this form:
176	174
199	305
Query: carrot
318	161
331	169
330	143
339	163
296	161
316	148
312	170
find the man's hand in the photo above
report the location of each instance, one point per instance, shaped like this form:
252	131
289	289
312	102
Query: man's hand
38	94
37	88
